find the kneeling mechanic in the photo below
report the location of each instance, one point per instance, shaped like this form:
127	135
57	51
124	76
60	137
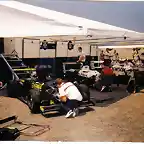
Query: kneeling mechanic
70	96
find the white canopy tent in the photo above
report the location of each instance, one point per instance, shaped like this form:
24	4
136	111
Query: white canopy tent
21	20
15	24
116	33
60	17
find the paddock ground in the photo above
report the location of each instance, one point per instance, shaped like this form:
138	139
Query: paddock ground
118	119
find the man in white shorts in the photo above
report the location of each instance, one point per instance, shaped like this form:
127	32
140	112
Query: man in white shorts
70	96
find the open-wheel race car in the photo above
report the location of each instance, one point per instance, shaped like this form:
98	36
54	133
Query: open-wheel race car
42	96
36	86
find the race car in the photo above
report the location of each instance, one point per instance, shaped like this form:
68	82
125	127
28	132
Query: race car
34	86
43	96
32	92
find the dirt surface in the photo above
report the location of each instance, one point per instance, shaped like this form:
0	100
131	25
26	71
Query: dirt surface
120	121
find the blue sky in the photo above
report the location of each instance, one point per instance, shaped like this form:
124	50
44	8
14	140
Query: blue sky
128	15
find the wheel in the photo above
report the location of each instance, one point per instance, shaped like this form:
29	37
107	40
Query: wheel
34	101
84	89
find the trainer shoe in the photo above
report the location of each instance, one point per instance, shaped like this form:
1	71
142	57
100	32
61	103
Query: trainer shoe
103	88
75	112
69	114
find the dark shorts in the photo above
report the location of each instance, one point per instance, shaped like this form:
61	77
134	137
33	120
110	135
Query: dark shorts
71	104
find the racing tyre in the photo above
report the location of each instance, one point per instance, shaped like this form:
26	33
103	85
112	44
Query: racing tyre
33	101
84	89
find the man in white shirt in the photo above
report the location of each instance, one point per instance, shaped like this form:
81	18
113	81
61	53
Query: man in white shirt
139	63
107	57
82	56
135	54
127	65
107	54
115	56
70	95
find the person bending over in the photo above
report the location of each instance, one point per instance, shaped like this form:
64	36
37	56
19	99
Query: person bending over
70	96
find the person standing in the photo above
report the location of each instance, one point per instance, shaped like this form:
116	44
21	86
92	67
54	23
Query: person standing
115	56
131	86
107	57
138	62
102	56
135	54
81	56
127	64
107	77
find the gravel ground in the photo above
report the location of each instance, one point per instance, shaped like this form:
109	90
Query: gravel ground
120	121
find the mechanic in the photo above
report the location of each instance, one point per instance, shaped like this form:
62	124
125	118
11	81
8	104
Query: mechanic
135	53
138	62
117	72
102	55
131	86
127	64
106	74
81	57
107	56
70	96
115	56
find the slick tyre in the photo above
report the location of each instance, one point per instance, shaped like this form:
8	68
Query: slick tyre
34	101
84	89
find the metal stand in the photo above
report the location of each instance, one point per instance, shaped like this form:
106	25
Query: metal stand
24	128
67	63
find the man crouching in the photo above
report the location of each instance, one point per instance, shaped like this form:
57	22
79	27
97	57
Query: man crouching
70	96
